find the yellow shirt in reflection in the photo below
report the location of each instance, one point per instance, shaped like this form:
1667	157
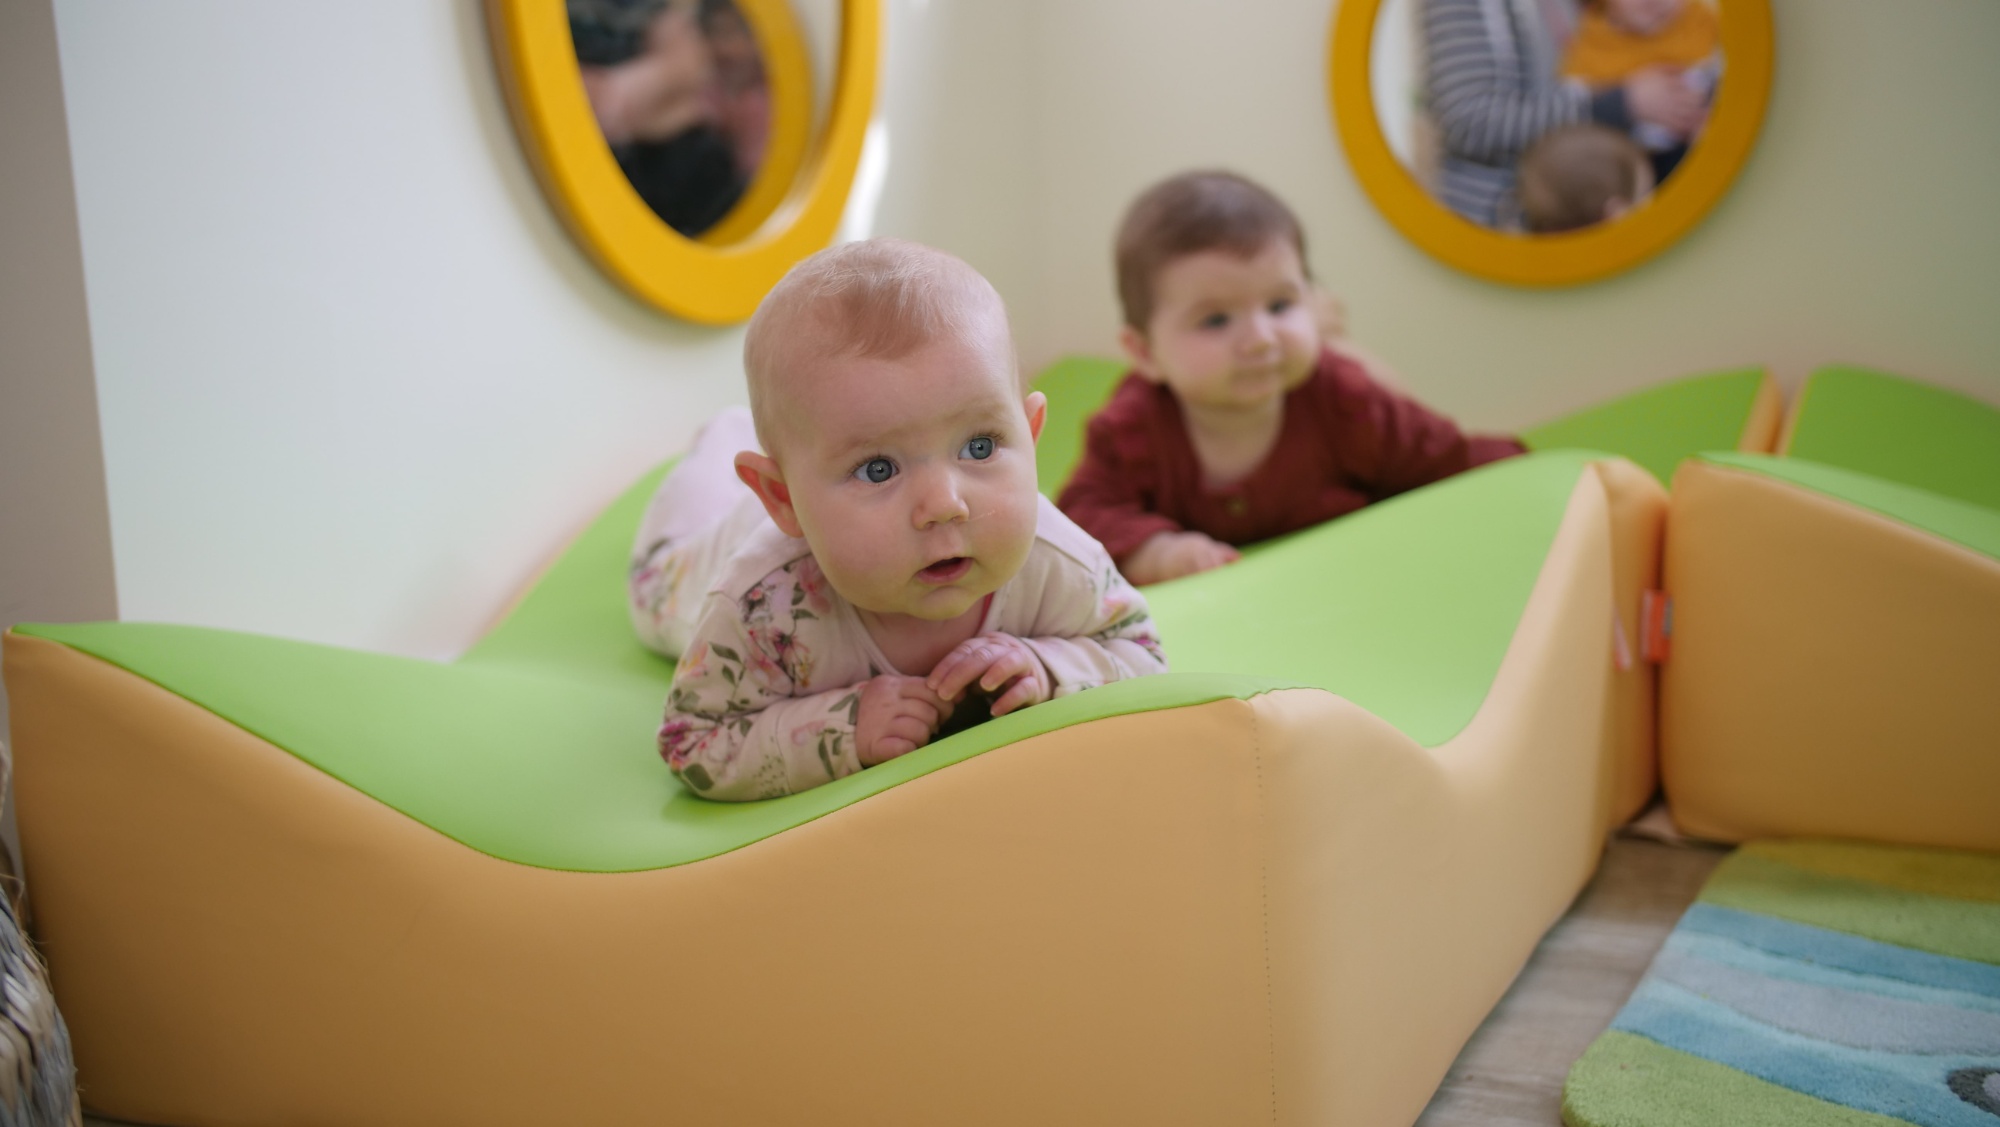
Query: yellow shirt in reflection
1602	55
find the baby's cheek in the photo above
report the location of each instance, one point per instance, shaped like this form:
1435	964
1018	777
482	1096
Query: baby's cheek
1011	531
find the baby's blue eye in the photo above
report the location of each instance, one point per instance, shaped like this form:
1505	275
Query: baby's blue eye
1215	320
1280	305
875	470
979	449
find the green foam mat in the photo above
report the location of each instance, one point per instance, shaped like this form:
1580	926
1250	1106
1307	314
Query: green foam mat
537	746
1813	982
1900	430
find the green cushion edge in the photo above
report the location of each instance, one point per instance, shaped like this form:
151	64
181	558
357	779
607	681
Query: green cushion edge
1899	429
1961	522
1661	426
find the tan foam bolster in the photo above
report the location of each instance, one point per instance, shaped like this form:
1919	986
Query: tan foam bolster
1068	930
1276	910
1834	670
1767	419
1409	886
1638	511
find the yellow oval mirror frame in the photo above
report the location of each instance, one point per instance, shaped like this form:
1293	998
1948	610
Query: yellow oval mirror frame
790	209
1573	257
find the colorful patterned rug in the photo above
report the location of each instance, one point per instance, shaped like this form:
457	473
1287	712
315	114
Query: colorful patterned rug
1819	983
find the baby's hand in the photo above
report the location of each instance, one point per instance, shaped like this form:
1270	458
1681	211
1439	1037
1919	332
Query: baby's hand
1660	96
993	660
1170	555
898	715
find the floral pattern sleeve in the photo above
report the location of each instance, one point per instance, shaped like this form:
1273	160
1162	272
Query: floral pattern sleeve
1094	628
743	721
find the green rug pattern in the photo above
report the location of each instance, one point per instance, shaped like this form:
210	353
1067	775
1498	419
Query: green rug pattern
1813	982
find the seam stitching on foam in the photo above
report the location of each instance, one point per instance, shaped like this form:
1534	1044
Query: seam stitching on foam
1262	842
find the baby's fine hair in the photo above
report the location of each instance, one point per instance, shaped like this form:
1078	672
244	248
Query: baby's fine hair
1570	175
1188	214
877	298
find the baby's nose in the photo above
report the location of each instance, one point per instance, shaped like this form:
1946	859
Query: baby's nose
1261	328
940	501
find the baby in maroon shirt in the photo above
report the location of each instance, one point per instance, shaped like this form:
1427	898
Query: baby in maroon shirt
1238	422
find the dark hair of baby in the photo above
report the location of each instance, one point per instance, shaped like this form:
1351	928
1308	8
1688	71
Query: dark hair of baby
1188	214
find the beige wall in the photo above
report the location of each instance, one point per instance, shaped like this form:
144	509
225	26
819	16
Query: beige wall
1866	227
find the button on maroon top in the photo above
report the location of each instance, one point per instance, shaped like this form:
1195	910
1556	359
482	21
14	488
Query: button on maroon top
1346	441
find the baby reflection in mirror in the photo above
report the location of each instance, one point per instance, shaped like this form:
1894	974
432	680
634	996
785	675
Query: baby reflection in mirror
1579	176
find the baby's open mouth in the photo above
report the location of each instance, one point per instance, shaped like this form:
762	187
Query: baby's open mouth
946	571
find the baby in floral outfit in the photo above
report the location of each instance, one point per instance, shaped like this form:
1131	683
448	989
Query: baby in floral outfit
891	564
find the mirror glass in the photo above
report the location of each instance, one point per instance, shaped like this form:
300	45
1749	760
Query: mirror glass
1544	116
709	106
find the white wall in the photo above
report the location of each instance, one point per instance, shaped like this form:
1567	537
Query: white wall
356	384
1866	227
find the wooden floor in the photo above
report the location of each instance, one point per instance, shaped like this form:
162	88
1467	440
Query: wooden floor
1511	1072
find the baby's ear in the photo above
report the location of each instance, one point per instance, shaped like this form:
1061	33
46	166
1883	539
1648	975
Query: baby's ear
1037	406
1329	312
767	481
1139	351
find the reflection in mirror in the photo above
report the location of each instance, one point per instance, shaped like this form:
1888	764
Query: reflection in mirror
1542	116
687	93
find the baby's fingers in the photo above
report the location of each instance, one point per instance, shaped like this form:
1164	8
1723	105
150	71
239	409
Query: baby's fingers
1026	691
1217	553
959	667
920	710
1012	662
903	735
914	689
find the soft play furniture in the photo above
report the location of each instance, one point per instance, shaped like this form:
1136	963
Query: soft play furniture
279	882
1659	427
1656	428
1836	650
1898	430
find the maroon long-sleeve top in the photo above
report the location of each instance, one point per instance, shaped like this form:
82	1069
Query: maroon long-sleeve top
1346	441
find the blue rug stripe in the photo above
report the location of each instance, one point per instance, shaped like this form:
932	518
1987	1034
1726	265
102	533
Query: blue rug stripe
1854	1018
1729	952
1909	1087
1847	952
